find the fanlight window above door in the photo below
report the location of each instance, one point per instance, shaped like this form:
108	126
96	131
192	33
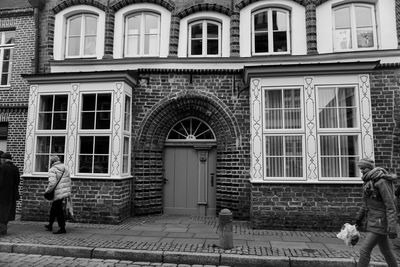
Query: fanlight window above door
191	129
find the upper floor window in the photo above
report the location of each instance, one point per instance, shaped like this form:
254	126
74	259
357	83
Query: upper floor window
142	34
354	27
6	50
204	38
270	31
81	35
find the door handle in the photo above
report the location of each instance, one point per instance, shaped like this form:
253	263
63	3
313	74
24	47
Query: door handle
212	179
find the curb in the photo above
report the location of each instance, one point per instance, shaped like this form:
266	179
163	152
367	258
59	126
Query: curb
177	257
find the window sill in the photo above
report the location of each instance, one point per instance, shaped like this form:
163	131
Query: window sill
5	87
254	181
88	177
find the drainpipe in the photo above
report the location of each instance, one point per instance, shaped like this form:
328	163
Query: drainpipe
37	5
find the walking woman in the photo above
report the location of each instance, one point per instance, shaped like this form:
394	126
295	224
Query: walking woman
378	212
60	179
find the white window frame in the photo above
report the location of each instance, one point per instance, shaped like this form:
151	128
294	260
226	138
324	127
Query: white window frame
124	155
4	47
49	132
204	38
127	132
283	131
353	26
141	34
82	35
78	154
60	30
269	10
119	27
94	132
355	131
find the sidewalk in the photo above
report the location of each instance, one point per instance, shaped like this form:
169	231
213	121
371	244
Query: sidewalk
189	240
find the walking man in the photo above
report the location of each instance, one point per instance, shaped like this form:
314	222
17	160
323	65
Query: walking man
9	193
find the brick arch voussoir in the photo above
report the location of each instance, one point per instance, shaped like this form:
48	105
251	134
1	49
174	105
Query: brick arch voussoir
157	123
169	5
68	3
204	7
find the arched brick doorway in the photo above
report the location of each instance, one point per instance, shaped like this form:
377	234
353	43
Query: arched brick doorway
149	147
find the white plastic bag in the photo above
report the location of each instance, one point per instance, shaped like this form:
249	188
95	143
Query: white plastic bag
349	234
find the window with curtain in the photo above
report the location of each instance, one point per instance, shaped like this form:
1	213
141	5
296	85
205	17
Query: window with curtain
283	133
51	130
142	34
270	31
354	27
339	131
7	39
205	38
81	36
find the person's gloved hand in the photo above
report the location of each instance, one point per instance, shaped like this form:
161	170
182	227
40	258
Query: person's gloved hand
393	235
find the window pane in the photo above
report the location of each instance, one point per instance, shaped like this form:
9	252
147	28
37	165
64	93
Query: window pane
273	98
330	167
42	163
60	121
261	42
7	54
212	30
86	145
346	97
261	21
197	47
127	113
133	45
74	46
274	145
46	103
91	25
60	102
134	24
75	26
9	37
58	145
126	146
329	145
6	64
43	144
104	102
85	163
212	47
342	18
89	102
103	120
294	167
292	98
365	37
363	16
349	166
100	164
280	41
349	145
101	145
279	21
274	166
151	44
292	119
151	23
197	30
327	110
273	119
90	46
87	120
45	121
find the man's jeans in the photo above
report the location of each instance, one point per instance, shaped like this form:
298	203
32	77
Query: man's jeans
371	240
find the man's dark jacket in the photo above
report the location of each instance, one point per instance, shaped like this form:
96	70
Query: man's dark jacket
9	183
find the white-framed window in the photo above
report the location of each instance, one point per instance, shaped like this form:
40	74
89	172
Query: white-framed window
81	36
142	34
94	148
354	27
204	38
271	31
127	114
7	39
339	132
79	32
125	155
283	133
51	129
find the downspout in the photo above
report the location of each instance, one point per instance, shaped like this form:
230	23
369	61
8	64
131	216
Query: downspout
37	5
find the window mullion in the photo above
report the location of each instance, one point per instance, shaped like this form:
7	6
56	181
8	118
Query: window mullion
353	26
82	37
270	32
204	38
142	33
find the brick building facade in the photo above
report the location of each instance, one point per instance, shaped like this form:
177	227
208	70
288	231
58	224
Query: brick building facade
264	113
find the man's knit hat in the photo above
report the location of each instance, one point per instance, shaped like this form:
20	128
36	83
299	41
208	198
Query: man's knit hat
54	159
366	163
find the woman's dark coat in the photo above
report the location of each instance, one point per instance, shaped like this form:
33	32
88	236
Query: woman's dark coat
9	183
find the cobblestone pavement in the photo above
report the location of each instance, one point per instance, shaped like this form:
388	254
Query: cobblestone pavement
29	260
188	234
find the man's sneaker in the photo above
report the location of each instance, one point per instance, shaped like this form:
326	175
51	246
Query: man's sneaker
48	227
61	231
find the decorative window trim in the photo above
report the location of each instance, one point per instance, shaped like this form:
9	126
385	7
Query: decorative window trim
385	19
312	153
224	20
298	41
119	27
60	31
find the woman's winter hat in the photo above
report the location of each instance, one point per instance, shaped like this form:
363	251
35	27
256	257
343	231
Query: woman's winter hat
54	159
366	163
